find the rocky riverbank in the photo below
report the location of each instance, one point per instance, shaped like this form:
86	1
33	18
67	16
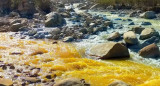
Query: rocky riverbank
33	44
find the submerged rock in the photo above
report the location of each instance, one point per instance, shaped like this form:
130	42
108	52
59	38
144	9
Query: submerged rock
109	50
130	37
150	51
148	33
118	83
72	82
146	23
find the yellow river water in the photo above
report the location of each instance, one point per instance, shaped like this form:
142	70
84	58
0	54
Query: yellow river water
64	61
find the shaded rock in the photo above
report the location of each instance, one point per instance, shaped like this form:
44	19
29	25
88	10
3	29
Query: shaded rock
137	30
150	51
113	36
133	14
118	83
68	39
108	23
55	31
148	15
14	14
130	37
109	50
15	27
146	23
54	20
5	82
132	23
147	33
72	82
32	32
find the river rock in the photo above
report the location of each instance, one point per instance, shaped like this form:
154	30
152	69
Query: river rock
147	33
150	51
118	83
130	37
16	27
133	14
54	19
113	36
148	15
71	82
138	29
14	14
68	39
109	50
108	23
146	23
5	82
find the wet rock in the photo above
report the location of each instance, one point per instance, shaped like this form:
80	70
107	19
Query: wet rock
54	20
150	51
71	82
109	50
35	72
113	36
55	31
15	27
137	30
146	23
108	23
118	83
31	79
132	23
130	38
133	14
68	39
148	15
14	14
15	21
5	82
32	32
148	33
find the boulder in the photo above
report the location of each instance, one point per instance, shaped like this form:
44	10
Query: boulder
130	38
109	50
54	20
72	82
118	83
148	15
68	39
148	33
14	14
133	14
150	51
16	27
113	36
108	23
55	31
138	29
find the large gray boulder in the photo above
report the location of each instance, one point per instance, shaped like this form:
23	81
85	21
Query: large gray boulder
109	50
148	15
54	20
130	37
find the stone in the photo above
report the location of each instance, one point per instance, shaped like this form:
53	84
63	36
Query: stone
72	82
148	15
118	83
132	23
148	33
113	36
5	82
109	50
68	39
150	51
130	38
138	29
133	14
55	31
108	23
54	20
146	23
15	27
14	14
31	79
